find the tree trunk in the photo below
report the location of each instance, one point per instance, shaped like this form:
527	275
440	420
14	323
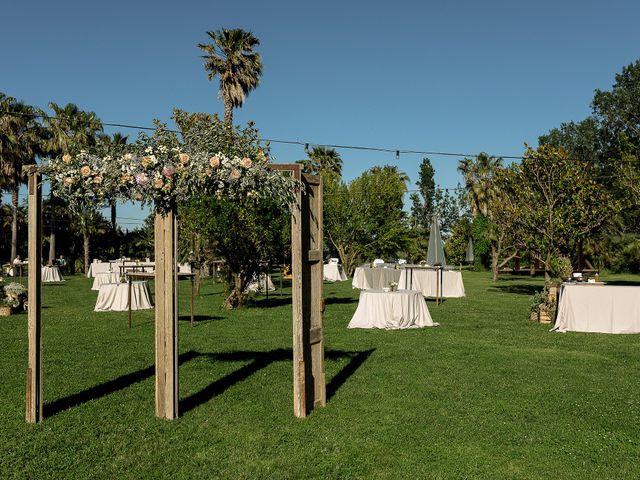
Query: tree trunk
228	114
580	255
14	223
116	243
86	237
236	298
52	230
494	261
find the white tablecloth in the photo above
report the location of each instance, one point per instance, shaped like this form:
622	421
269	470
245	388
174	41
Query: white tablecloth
51	274
366	278
114	297
425	280
391	310
598	308
104	277
334	272
100	267
258	284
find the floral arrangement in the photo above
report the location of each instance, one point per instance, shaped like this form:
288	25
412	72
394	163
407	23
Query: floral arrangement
162	171
393	286
14	295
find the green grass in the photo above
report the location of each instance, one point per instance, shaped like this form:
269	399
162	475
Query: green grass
488	394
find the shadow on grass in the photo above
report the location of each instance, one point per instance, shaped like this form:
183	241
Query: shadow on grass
260	360
271	302
521	289
200	318
339	300
625	283
108	387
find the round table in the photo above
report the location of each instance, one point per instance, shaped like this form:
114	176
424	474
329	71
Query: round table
366	278
391	310
333	272
104	277
114	297
51	274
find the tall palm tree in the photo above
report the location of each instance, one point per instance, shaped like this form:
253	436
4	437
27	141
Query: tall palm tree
69	128
21	140
231	56
115	146
323	160
479	182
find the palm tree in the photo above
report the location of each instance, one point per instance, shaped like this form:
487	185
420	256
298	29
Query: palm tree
479	182
91	223
232	57
114	145
21	140
323	160
69	128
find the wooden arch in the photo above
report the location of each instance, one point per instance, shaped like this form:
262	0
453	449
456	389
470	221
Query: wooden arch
309	386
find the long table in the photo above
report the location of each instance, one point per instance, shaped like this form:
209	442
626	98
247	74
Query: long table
598	308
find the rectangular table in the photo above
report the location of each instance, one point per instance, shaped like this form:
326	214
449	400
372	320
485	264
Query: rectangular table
598	308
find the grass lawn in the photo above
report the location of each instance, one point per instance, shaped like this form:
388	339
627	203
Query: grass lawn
488	394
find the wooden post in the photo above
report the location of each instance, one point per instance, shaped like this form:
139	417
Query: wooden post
34	402
166	235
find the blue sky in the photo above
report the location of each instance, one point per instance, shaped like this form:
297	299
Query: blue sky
459	76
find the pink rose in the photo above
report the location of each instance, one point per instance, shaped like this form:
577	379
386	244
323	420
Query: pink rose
85	170
66	158
235	173
184	158
157	183
214	161
246	162
142	179
169	171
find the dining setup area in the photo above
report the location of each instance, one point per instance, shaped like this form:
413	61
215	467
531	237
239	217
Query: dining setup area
123	284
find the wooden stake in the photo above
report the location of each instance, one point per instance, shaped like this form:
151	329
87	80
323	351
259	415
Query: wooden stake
34	402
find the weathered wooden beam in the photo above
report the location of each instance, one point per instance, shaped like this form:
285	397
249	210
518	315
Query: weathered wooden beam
165	232
34	401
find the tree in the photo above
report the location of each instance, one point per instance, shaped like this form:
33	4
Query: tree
365	218
422	203
21	140
69	128
231	56
551	201
113	145
322	160
91	223
581	140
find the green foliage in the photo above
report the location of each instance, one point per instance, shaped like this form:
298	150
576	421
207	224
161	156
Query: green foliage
621	253
455	246
552	200
323	161
481	242
422	204
541	299
559	267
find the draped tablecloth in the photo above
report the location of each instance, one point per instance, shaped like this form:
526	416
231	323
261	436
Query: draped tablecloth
366	278
334	272
114	297
258	284
51	274
100	267
105	277
426	281
391	310
598	308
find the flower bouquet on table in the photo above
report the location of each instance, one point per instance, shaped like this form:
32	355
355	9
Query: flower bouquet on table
393	286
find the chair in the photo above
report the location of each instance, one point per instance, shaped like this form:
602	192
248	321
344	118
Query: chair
402	261
334	261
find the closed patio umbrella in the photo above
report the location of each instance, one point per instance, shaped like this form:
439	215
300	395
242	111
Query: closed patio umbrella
469	255
435	253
